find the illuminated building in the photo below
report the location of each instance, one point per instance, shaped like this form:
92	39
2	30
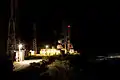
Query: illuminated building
20	53
32	52
49	52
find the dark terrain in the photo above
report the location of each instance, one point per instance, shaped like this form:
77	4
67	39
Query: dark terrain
81	69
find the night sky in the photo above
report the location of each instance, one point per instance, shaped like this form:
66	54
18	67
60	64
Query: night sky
94	28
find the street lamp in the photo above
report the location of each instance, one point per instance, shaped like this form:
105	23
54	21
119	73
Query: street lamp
20	46
59	41
46	46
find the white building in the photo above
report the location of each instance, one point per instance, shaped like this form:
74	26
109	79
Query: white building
20	55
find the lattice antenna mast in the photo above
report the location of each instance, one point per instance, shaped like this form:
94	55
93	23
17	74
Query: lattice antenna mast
11	42
34	39
68	35
65	34
69	31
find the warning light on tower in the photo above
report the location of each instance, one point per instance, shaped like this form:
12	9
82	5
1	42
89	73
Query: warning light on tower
68	26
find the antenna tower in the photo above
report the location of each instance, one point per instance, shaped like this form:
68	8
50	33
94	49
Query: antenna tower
11	42
66	31
65	34
34	39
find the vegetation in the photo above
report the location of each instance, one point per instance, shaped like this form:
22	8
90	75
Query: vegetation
58	70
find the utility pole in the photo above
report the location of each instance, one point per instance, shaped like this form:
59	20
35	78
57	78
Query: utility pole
11	42
34	39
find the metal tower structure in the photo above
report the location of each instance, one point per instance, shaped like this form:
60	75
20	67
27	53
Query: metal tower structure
66	31
68	35
65	34
34	39
11	42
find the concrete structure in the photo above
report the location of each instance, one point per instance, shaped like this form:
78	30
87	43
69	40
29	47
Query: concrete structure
20	55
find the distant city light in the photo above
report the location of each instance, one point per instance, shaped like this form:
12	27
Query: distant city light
68	26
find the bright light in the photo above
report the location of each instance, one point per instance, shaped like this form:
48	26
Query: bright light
20	54
59	41
20	46
46	46
32	52
53	47
68	26
71	51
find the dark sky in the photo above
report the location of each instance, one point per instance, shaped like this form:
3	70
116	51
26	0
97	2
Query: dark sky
95	28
